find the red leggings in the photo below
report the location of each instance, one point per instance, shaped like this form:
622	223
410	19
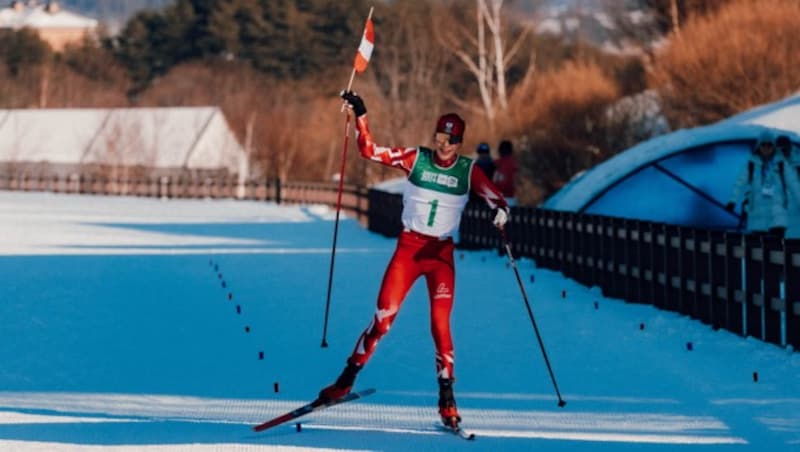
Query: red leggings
416	255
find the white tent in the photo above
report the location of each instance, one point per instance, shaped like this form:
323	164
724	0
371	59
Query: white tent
165	138
40	16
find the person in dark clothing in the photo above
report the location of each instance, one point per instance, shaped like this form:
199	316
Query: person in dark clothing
506	172
486	164
484	160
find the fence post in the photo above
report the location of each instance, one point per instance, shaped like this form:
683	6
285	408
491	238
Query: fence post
774	306
754	295
646	270
550	239
526	228
689	286
791	256
606	257
719	297
620	240
633	261
579	249
561	236
672	268
734	282
594	233
537	236
277	190
703	305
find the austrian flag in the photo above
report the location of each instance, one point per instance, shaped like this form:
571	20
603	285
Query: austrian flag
365	48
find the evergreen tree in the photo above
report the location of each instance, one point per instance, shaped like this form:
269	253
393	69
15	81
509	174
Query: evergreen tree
284	38
22	49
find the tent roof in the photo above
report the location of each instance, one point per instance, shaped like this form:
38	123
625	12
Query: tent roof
585	187
176	137
38	17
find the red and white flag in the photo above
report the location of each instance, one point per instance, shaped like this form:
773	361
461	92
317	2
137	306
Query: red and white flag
365	48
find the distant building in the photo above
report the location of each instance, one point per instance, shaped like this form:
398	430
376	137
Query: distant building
55	25
152	141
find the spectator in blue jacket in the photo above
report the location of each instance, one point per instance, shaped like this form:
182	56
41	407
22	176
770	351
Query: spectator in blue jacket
791	175
762	186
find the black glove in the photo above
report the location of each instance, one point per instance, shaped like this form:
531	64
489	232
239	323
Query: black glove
355	102
730	207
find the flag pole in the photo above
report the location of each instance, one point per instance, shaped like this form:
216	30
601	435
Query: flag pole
352	76
353	73
339	205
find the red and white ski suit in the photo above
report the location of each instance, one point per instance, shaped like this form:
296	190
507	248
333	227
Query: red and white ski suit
416	255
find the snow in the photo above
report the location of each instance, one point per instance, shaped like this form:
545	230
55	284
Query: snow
119	335
394	185
550	25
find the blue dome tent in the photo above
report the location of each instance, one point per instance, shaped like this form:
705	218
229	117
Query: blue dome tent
682	178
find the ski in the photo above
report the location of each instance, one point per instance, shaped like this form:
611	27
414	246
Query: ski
311	407
458	431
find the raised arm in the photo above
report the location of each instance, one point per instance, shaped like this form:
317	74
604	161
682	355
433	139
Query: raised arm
396	157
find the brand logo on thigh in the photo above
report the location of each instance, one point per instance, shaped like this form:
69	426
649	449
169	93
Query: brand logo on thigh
442	291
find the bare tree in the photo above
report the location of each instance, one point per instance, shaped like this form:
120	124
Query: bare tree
485	52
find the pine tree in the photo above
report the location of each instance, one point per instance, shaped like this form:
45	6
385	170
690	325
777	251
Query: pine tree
283	38
22	49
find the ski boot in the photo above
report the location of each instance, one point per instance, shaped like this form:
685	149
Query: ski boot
342	386
447	404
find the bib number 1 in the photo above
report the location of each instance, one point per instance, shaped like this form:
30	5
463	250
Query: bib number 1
434	204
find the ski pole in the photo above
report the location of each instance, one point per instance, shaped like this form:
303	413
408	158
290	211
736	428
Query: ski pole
561	401
335	232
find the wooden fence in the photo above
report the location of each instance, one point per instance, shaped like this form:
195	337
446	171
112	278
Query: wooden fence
747	284
354	198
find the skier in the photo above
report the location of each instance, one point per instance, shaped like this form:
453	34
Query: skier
437	190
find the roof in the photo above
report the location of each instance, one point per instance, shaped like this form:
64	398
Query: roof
37	17
174	137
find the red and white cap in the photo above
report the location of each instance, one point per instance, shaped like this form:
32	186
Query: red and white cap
453	125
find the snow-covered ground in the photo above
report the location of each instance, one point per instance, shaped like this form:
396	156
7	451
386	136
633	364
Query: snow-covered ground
119	331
